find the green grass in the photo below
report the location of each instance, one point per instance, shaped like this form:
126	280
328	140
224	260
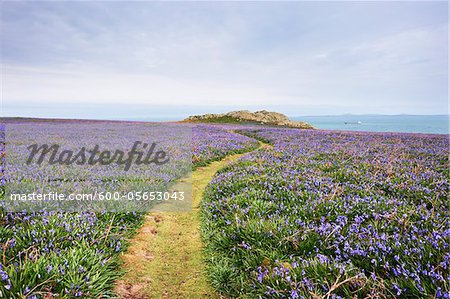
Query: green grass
63	254
220	119
165	259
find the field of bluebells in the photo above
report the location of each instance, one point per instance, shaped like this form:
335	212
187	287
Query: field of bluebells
320	215
213	142
327	214
66	255
84	178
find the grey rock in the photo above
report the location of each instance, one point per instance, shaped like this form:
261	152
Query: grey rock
261	117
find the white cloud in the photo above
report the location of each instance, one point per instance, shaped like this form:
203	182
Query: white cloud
58	86
347	54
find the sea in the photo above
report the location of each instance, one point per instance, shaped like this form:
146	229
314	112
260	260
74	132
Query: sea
435	124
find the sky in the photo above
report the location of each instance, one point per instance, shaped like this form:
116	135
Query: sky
170	59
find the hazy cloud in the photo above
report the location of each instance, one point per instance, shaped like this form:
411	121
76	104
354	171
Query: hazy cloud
344	54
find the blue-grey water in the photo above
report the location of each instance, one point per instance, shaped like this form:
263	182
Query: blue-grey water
436	124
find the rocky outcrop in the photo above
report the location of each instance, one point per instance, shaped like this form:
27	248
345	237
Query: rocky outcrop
244	116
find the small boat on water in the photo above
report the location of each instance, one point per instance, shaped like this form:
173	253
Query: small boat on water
353	122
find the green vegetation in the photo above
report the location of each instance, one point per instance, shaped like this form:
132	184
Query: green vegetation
166	258
63	254
331	215
66	255
223	119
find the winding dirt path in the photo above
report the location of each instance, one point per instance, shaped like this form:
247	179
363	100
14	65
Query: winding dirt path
165	258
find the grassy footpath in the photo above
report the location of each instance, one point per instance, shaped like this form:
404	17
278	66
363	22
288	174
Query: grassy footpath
165	258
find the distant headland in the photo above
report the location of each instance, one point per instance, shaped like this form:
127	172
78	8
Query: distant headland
262	117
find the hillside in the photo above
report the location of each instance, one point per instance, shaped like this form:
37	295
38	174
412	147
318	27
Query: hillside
244	116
